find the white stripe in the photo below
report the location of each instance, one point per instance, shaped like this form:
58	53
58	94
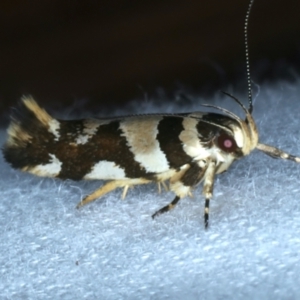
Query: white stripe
106	170
140	133
51	169
92	125
54	127
90	128
190	139
82	139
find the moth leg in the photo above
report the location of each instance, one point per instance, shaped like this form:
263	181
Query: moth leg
108	187
165	186
208	189
166	208
159	187
181	184
162	183
125	190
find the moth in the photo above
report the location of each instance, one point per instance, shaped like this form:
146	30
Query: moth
182	149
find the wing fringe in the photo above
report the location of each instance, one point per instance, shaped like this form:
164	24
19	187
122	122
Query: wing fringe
27	131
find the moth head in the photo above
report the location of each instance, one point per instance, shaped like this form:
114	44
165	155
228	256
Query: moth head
236	135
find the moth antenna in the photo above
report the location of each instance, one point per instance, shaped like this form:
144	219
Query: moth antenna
217	125
247	57
225	111
237	101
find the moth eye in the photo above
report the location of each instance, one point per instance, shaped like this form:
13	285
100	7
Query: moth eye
226	143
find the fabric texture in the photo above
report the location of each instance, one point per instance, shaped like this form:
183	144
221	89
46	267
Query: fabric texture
112	249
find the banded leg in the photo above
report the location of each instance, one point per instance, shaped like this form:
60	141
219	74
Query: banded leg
108	187
166	208
208	189
181	184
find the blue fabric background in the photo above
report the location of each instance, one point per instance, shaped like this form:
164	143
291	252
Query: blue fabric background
112	249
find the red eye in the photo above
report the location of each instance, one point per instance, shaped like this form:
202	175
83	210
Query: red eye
226	143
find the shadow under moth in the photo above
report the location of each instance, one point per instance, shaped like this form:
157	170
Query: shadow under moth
181	149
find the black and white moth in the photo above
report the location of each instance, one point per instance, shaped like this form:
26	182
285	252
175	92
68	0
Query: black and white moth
182	149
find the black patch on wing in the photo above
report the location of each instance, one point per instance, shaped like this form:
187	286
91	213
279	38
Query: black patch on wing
69	130
207	132
106	144
169	130
76	161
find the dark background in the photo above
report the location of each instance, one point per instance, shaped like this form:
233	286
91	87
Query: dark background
110	52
